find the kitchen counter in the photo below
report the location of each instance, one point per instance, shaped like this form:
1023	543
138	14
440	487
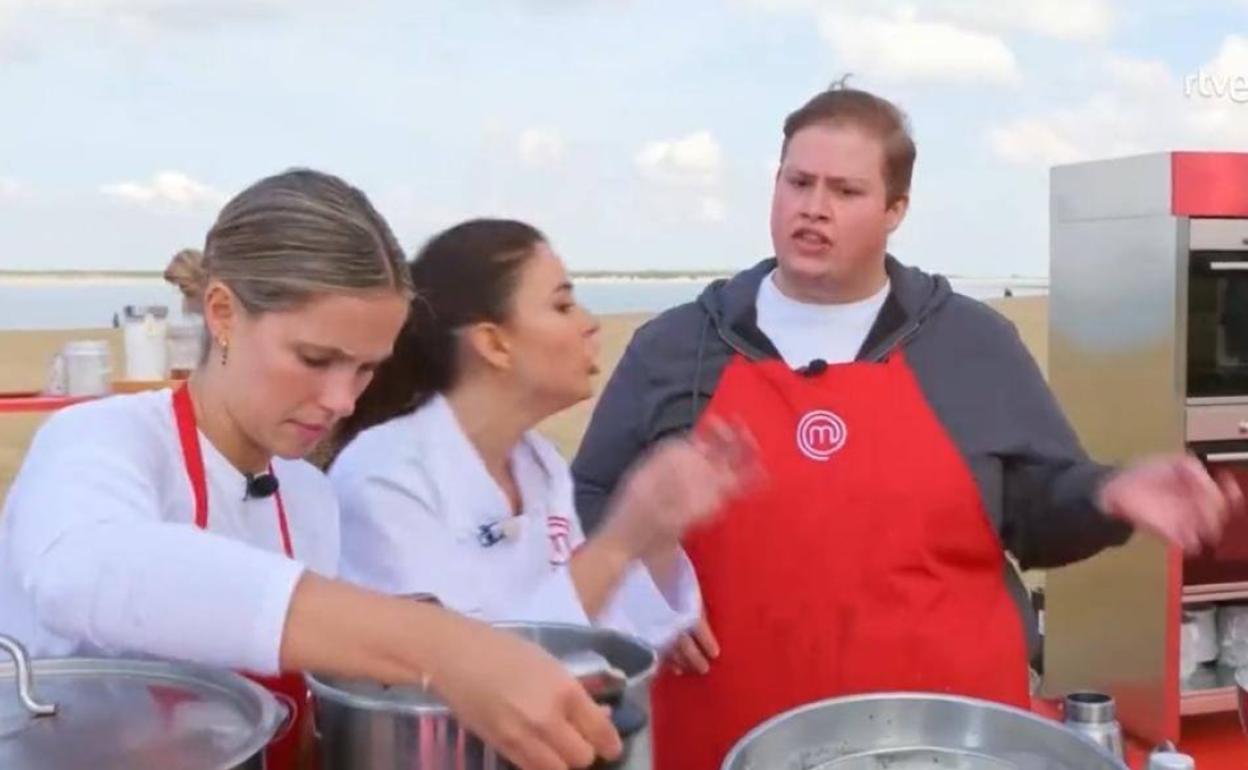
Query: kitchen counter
35	403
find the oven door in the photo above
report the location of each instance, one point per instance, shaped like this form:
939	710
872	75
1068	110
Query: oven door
1217	309
1225	565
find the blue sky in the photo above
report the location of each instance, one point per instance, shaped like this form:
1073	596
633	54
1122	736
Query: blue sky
639	134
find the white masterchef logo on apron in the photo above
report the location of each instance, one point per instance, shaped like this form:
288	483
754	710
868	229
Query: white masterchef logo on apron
820	434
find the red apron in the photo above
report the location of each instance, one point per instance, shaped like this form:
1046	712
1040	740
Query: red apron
291	689
866	564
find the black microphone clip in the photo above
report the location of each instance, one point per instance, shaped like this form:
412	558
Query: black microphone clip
260	485
813	369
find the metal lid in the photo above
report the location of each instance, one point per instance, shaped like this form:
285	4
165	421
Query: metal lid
79	347
126	714
158	312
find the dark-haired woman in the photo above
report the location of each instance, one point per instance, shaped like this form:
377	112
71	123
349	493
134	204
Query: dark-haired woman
446	488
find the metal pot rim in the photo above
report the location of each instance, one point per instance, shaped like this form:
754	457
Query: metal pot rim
355	700
235	686
434	705
957	700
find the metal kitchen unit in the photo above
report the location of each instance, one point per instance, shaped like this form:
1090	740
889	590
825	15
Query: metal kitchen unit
1148	336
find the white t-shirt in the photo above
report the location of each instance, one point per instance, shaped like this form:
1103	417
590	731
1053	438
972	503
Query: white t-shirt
803	332
415	497
100	555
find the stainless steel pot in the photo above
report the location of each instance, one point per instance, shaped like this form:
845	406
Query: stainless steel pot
114	714
909	731
363	725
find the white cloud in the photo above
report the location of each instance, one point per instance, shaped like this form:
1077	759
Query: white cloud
684	207
712	209
166	12
783	5
8	16
540	147
694	160
1032	142
166	190
1135	106
905	48
23	23
10	188
1232	57
1087	20
1216	95
685	174
1137	74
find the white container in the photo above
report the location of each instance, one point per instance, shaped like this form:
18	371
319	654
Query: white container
186	346
1205	641
1233	635
1188	643
1170	760
82	368
146	332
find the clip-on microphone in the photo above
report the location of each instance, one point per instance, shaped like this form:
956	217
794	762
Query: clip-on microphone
260	485
814	368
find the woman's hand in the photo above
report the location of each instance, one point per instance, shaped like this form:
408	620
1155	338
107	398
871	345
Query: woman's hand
680	484
521	701
694	650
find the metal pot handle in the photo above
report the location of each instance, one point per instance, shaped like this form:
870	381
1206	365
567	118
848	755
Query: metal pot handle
21	662
627	718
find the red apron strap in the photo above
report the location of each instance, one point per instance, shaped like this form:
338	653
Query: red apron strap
193	457
188	436
282	526
283	751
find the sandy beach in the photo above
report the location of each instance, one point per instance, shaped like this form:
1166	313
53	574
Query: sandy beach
25	357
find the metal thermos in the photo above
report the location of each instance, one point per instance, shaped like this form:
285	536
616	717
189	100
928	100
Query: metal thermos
1093	715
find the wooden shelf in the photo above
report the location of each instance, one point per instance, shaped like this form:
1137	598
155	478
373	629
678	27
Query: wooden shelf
1217	701
1215	592
1210	690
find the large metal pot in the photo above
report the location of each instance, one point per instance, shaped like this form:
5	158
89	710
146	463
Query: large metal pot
363	725
115	714
909	731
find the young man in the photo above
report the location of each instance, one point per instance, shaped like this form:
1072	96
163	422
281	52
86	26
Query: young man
907	436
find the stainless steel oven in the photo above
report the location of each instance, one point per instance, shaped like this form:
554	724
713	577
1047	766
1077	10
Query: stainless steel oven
1148	353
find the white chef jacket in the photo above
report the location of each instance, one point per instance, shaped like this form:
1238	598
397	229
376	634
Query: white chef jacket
100	555
418	507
